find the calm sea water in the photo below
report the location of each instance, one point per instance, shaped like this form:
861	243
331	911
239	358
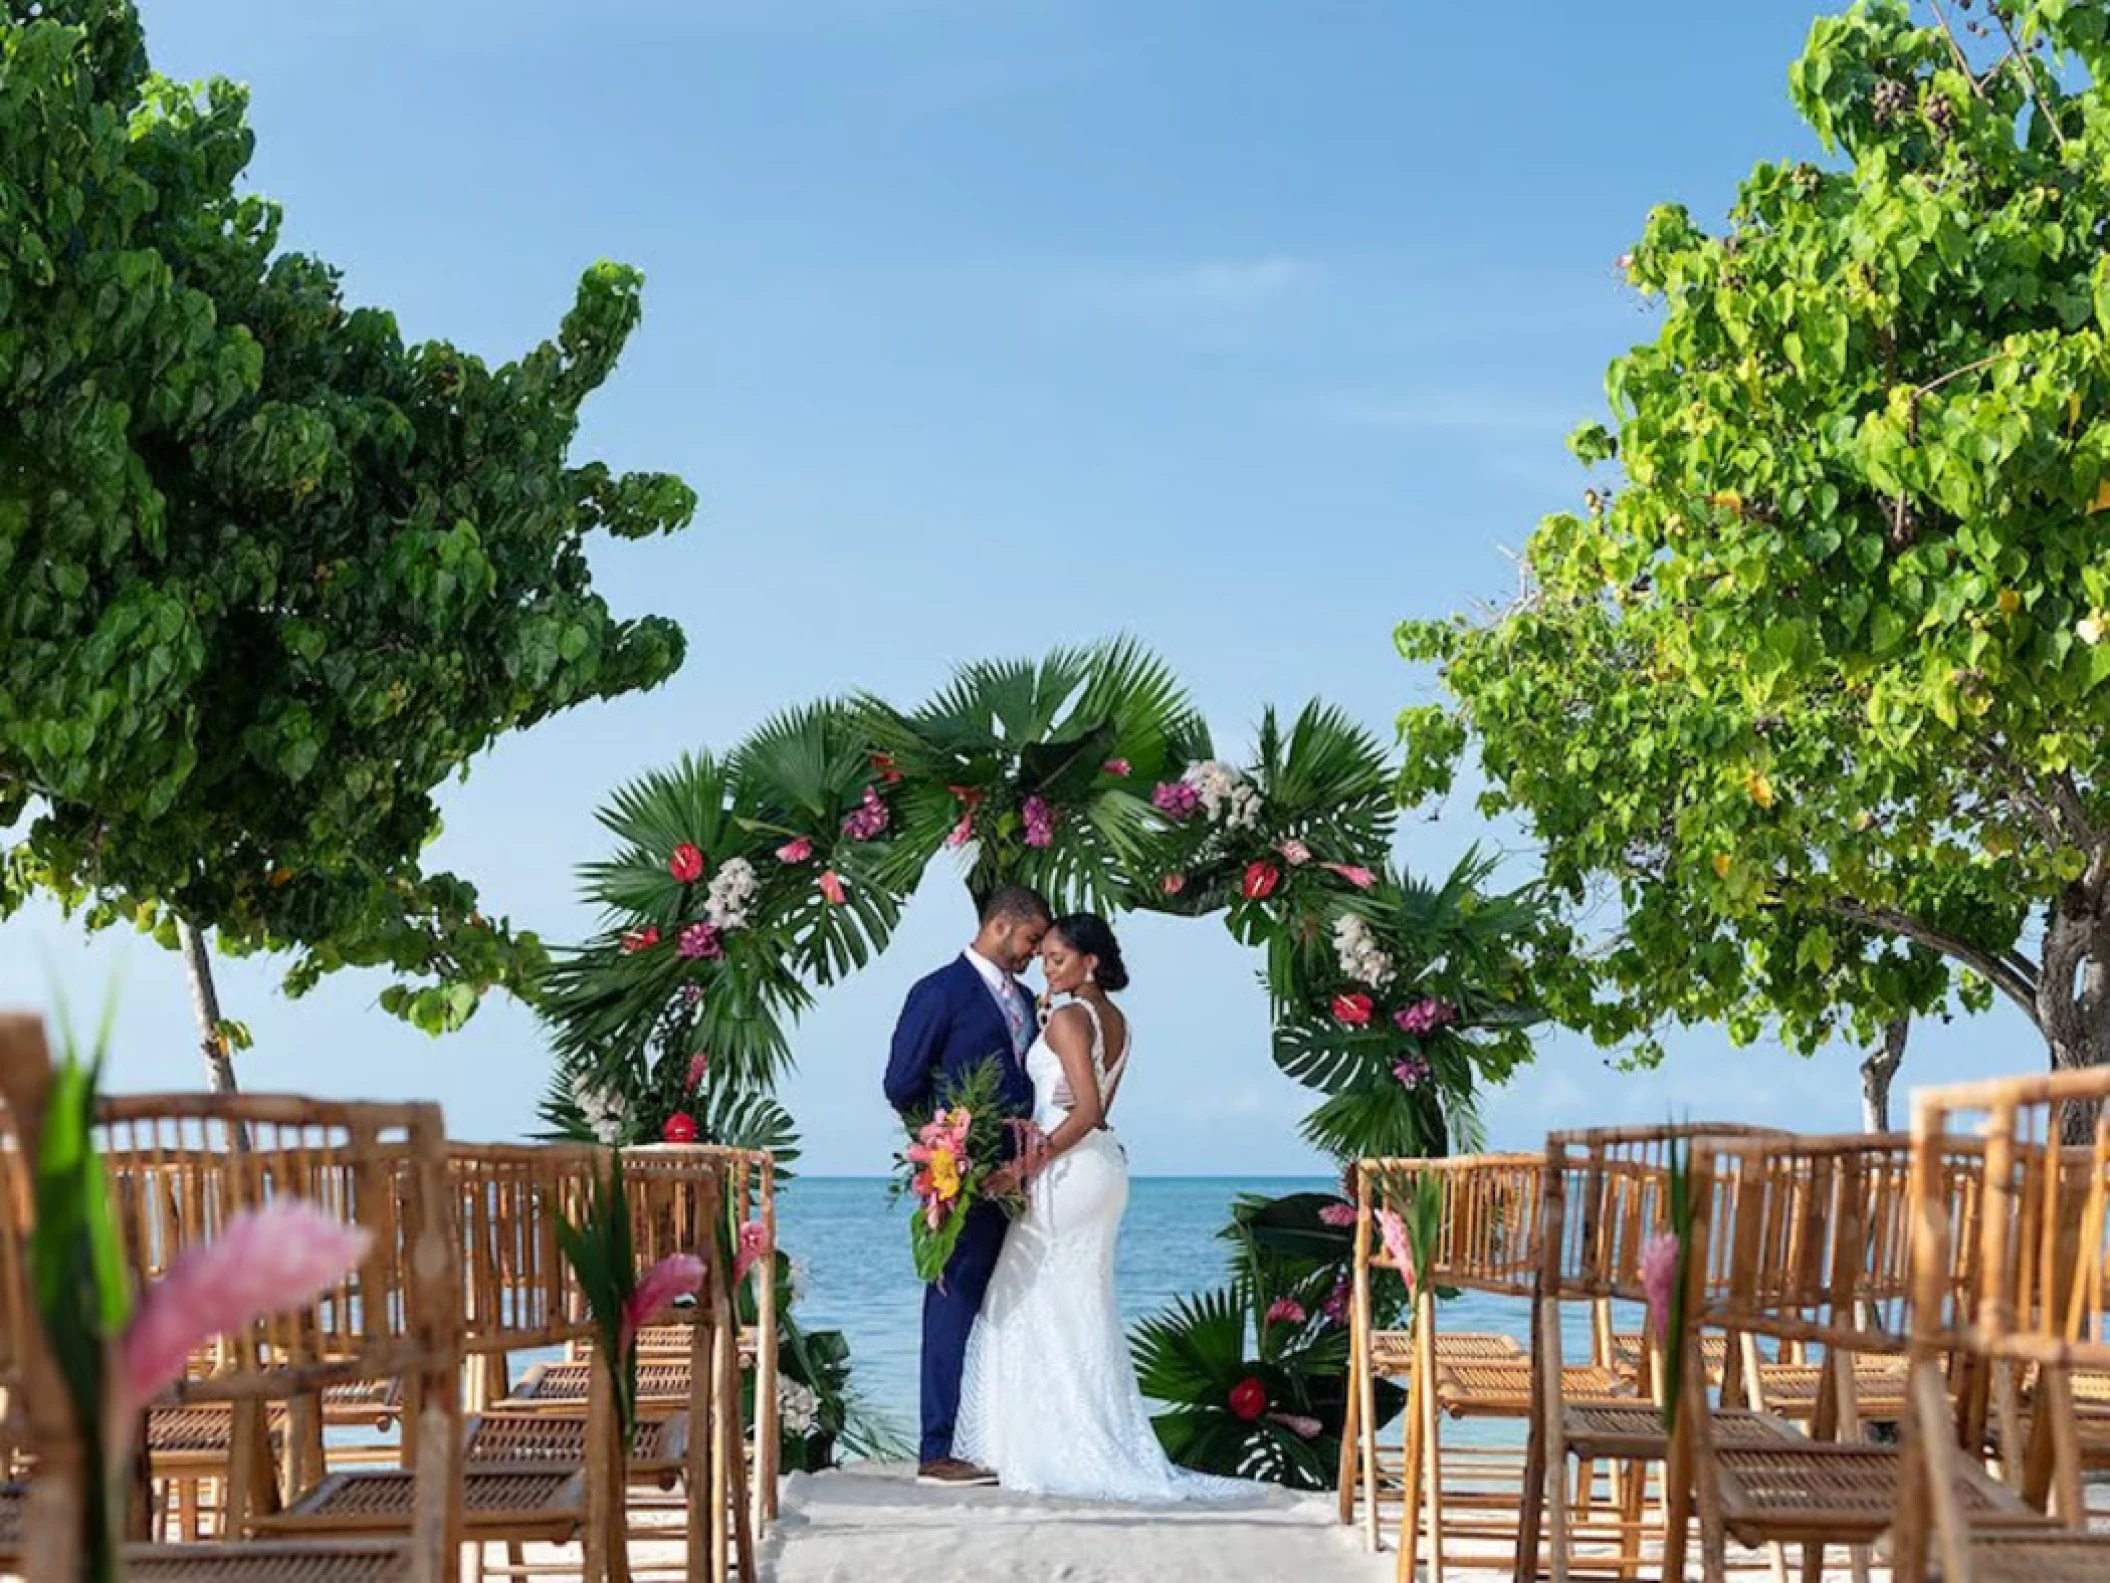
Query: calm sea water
851	1246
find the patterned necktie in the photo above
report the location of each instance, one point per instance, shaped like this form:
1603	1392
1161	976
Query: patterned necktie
1015	1015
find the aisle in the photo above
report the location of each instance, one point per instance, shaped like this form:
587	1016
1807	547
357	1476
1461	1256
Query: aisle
876	1525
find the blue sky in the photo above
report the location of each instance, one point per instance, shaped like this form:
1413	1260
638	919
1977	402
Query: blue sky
982	326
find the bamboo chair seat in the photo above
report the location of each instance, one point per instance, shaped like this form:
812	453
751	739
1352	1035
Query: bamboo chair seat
1504	1388
1634	1432
2024	1556
1880	1385
532	1438
564	1385
668	1341
199	1436
1392	1351
360	1402
1631	1353
520	1501
308	1562
1823	1492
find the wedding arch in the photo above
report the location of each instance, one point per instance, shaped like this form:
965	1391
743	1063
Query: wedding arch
742	884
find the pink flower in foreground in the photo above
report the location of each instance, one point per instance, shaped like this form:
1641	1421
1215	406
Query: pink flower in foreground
1337	1215
754	1247
832	887
1393	1231
1360	878
1286	1311
266	1261
677	1275
797	850
1659	1272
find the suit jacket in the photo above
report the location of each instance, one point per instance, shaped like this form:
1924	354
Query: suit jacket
950	1025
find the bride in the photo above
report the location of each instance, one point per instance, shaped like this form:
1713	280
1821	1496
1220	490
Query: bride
1050	1402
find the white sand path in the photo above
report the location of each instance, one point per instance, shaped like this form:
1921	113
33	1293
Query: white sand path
871	1524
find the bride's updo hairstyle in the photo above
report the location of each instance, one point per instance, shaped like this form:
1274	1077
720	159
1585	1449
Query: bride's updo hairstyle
1088	934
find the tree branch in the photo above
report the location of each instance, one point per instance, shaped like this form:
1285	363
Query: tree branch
2013	976
2028	63
1963	63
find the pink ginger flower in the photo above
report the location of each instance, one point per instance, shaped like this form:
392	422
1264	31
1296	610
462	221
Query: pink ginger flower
677	1275
1176	799
1393	1231
753	1249
265	1261
1120	769
1659	1273
700	940
1298	1424
832	887
1360	878
1039	820
963	832
1338	1216
1286	1311
796	850
1294	852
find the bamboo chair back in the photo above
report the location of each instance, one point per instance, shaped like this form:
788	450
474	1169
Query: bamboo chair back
2038	1257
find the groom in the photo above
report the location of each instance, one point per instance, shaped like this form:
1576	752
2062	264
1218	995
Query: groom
968	1011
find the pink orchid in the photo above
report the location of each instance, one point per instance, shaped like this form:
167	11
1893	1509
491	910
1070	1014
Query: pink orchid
796	850
1295	853
1360	878
700	940
1176	799
754	1248
869	819
1426	1016
1393	1231
1335	1308
1337	1215
265	1261
1411	1072
677	1275
832	887
1039	821
1286	1311
1659	1272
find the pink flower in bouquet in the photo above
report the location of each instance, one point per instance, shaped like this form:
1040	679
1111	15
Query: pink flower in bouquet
265	1261
1286	1311
1393	1232
1176	799
1298	1424
941	1150
797	850
1659	1273
1353	1010
677	1275
868	819
699	1063
686	864
636	940
1295	853
1039	821
1360	878
1426	1016
831	887
700	940
1120	769
1339	1216
754	1247
1410	1071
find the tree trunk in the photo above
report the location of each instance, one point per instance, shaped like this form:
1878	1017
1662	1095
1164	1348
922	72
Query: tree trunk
2073	998
205	1005
1877	1070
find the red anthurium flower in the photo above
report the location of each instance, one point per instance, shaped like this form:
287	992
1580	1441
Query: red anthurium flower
1354	1010
680	1128
640	939
1261	878
1248	1399
686	864
1120	769
966	794
884	764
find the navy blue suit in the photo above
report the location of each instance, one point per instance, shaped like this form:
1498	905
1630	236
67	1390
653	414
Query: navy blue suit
950	1025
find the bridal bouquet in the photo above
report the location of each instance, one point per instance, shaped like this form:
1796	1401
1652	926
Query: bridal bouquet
947	1167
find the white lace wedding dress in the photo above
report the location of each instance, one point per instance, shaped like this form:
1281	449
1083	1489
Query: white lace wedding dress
1050	1402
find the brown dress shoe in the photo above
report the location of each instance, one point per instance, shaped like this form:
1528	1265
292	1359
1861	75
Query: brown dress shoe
952	1473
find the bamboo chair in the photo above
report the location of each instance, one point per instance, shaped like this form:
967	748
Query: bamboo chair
1789	1267
2042	1248
395	1315
1606	1194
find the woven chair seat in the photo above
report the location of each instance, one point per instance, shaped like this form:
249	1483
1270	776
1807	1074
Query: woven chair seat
566	1384
1630	1350
1392	1351
379	1402
524	1438
1634	1432
321	1561
666	1342
499	1501
1844	1494
2033	1557
1880	1387
198	1433
1503	1388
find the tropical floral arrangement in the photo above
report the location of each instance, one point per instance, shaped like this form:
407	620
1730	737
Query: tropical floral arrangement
600	1251
946	1169
1663	1279
115	1356
820	1415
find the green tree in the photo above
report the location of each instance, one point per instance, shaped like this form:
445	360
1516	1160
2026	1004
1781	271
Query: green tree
268	575
1815	688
